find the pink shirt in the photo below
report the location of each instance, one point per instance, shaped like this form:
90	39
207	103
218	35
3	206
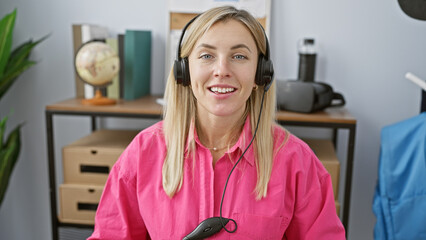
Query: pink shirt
299	204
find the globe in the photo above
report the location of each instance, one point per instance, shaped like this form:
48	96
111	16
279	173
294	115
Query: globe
97	64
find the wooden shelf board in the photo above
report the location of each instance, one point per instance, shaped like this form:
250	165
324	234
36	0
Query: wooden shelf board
148	105
144	105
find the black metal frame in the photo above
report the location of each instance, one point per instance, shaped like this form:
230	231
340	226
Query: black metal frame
51	157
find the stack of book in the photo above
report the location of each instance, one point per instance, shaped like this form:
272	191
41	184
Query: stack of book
134	50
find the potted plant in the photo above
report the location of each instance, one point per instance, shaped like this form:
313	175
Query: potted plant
12	64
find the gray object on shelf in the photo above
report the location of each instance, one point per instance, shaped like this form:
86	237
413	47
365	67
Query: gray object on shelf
306	97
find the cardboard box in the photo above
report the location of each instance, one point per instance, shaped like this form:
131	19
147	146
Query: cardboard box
78	203
325	152
90	159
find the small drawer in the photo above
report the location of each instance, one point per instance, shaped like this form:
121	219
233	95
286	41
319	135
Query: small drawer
90	159
78	203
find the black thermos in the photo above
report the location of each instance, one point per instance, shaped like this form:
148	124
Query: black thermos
307	60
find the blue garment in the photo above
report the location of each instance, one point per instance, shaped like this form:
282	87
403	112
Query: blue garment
400	196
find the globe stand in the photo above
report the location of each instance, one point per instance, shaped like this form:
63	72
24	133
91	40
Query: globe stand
98	99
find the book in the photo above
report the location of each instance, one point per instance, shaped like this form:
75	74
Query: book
122	71
83	33
113	89
137	64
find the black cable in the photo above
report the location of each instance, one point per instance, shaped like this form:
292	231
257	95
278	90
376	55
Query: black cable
235	165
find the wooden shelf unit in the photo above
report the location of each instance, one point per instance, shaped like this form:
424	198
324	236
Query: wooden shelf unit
147	107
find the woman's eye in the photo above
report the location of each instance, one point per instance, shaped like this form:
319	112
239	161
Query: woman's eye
240	57
206	56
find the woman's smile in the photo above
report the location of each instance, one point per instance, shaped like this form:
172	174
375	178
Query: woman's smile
222	90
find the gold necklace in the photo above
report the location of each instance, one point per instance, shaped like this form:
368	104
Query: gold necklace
216	149
210	148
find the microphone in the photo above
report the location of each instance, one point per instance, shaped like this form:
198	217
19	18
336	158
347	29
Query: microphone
207	228
213	225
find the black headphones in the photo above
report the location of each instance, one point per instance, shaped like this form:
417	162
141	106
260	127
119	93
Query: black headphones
264	71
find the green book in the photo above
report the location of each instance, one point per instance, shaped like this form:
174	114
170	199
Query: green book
121	56
137	64
113	90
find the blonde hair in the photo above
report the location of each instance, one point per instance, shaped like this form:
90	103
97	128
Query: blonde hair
181	107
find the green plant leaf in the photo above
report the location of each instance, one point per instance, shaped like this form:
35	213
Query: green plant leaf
6	81
12	64
2	128
8	157
6	33
22	52
14	139
17	64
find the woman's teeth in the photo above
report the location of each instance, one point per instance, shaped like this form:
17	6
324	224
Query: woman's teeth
221	90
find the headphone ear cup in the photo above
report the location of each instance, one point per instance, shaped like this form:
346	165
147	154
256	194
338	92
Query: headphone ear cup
186	79
177	71
259	71
268	74
181	72
264	72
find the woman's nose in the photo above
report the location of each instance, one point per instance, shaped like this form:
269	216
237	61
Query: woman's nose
222	68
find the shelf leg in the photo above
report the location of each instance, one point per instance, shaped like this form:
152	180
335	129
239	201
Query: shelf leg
94	125
348	181
335	138
52	177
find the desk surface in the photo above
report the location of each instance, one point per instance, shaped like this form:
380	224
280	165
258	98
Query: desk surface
148	106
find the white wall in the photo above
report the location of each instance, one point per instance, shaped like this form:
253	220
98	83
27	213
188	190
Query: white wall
365	49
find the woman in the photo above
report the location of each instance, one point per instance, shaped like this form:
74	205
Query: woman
173	174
